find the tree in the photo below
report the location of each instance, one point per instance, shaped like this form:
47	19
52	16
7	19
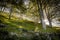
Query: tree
10	13
50	9
41	13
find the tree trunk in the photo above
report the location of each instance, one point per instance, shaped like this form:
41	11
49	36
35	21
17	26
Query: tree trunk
41	13
10	13
3	9
49	17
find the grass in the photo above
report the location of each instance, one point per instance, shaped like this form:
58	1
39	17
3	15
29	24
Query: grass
13	25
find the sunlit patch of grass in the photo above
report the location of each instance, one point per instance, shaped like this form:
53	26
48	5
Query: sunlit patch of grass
14	18
20	26
5	15
58	28
36	29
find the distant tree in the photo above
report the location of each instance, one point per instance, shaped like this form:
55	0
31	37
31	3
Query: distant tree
51	12
10	13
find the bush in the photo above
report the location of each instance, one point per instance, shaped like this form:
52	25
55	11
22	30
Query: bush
5	35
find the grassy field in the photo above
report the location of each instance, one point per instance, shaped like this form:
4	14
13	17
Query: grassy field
14	24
